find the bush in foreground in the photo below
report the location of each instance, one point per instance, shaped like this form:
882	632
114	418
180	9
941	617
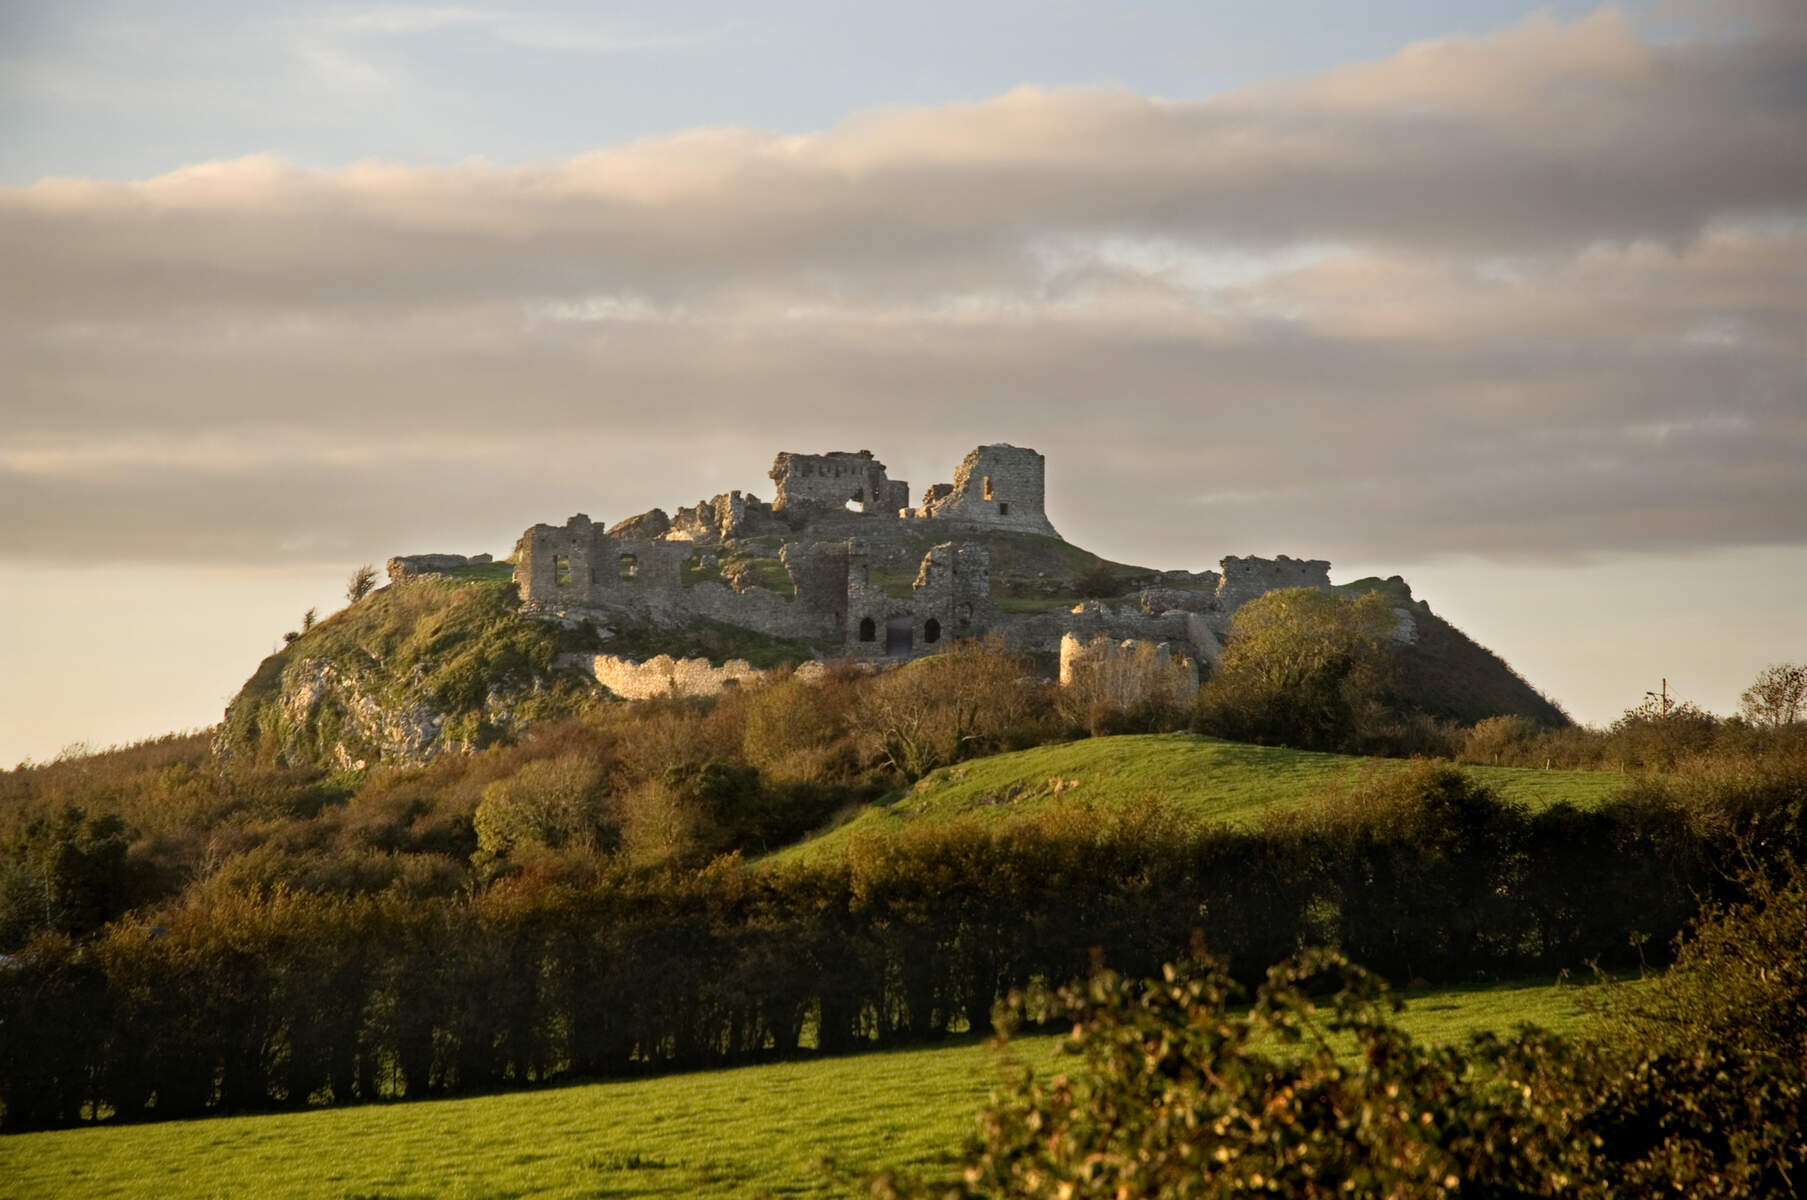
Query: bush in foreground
1699	1088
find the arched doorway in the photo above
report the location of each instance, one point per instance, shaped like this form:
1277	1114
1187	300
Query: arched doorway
900	636
931	631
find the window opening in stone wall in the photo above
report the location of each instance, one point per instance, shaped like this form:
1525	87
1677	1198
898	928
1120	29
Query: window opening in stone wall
868	630
1003	508
988	487
931	631
629	565
561	568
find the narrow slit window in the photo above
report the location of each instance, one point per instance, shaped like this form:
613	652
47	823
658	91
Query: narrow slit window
1003	508
988	494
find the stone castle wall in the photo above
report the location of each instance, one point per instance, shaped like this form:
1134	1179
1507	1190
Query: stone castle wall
413	566
832	481
665	676
1246	578
1130	671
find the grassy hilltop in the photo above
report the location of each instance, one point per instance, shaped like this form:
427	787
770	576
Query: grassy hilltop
1206	779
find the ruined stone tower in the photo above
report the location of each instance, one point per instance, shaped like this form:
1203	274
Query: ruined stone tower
999	485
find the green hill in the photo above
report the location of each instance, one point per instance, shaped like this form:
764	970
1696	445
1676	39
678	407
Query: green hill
441	663
1204	778
754	1131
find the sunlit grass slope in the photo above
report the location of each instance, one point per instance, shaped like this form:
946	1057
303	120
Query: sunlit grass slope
1204	778
779	1130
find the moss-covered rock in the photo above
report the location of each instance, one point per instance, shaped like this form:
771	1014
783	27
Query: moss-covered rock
413	670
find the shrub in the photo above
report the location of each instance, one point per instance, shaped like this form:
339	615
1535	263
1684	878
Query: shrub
1698	1087
1302	668
1178	1095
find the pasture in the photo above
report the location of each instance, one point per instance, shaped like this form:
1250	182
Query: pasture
806	1128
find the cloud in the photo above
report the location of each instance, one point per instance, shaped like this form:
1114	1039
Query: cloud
528	31
1529	294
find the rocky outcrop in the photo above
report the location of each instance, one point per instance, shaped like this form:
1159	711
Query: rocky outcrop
427	666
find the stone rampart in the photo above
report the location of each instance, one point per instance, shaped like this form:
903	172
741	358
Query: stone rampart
1246	578
413	566
666	676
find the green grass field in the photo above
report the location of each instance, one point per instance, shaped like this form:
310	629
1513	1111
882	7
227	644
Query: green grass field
1204	778
789	1129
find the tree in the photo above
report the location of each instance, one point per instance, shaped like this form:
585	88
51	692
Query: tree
66	873
1301	668
308	619
1777	696
546	805
1661	731
360	583
1098	580
948	706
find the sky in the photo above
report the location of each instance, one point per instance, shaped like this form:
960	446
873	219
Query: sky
1508	300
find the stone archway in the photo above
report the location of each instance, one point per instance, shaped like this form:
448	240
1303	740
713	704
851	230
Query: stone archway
900	636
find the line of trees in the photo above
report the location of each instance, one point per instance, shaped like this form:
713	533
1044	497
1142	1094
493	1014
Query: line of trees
249	1000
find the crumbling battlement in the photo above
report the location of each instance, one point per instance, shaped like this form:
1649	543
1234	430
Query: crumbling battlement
835	481
1246	578
724	517
844	494
413	566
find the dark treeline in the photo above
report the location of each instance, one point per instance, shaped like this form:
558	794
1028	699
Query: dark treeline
245	999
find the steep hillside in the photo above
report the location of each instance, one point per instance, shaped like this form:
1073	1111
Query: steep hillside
1449	675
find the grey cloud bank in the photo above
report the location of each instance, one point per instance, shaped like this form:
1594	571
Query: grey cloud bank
1532	295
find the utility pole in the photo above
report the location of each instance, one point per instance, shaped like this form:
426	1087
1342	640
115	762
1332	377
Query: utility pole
1662	699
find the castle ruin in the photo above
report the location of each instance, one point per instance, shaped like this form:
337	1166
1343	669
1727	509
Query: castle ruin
840	560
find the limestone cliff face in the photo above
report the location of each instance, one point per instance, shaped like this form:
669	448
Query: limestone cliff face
418	669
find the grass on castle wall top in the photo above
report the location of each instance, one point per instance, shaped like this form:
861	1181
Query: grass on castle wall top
755	1131
490	572
1205	779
